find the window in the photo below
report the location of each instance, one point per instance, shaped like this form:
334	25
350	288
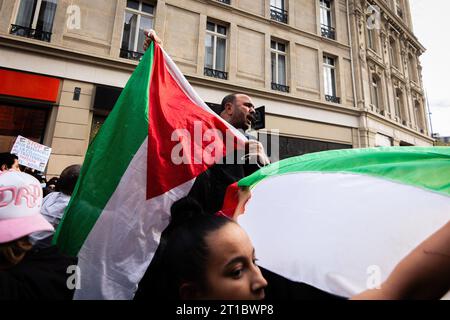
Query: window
326	22
412	68
215	50
399	103
329	77
399	8
278	11
419	116
224	1
375	93
393	52
35	19
278	55
139	16
372	39
29	122
291	147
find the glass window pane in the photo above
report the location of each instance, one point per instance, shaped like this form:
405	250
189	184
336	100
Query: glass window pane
333	82
221	30
26	13
326	80
282	70
129	31
210	26
133	4
148	8
46	15
329	79
209	42
146	23
282	47
273	44
220	54
325	16
277	3
274	68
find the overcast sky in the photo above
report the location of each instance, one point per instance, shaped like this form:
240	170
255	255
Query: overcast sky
431	24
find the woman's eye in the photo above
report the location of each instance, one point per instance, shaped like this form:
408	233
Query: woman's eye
236	273
255	261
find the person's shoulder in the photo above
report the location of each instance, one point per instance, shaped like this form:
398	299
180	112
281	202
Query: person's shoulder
250	136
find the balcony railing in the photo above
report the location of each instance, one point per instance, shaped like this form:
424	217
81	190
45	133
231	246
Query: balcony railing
30	33
328	32
132	55
280	87
224	1
278	14
332	99
216	73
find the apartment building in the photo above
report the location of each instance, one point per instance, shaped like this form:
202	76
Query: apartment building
331	74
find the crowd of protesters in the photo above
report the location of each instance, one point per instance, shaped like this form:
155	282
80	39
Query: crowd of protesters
30	266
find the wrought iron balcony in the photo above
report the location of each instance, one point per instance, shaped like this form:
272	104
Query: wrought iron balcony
30	33
224	1
216	73
328	32
280	87
333	99
132	55
278	14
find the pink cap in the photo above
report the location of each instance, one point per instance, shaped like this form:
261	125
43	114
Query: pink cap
20	206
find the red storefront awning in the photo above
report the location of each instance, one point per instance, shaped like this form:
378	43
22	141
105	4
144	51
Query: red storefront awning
30	86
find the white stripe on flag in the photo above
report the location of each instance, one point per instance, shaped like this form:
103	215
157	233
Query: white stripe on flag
123	241
335	231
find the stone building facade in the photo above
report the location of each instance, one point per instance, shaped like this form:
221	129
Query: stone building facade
331	74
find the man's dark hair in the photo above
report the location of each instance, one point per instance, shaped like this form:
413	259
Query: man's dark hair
68	179
231	98
7	159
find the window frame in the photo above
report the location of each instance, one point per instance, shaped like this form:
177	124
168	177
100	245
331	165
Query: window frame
31	30
413	71
376	92
327	28
138	12
331	68
399	97
420	123
215	34
328	10
394	53
399	9
277	52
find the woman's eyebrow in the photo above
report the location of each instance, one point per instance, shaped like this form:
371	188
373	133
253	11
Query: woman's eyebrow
240	259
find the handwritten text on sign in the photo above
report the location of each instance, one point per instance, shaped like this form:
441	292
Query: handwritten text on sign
31	154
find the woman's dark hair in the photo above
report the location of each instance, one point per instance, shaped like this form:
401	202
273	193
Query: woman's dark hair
185	251
68	179
8	159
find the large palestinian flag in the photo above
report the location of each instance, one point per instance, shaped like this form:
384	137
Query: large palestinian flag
158	139
341	220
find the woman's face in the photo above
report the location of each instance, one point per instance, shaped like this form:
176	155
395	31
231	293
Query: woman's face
231	271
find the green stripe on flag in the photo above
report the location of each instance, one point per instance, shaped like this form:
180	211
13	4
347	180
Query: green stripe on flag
426	167
107	159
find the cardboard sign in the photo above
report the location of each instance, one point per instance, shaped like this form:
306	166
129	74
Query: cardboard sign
31	154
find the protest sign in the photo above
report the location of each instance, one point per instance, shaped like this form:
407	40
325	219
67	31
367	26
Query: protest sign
31	154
